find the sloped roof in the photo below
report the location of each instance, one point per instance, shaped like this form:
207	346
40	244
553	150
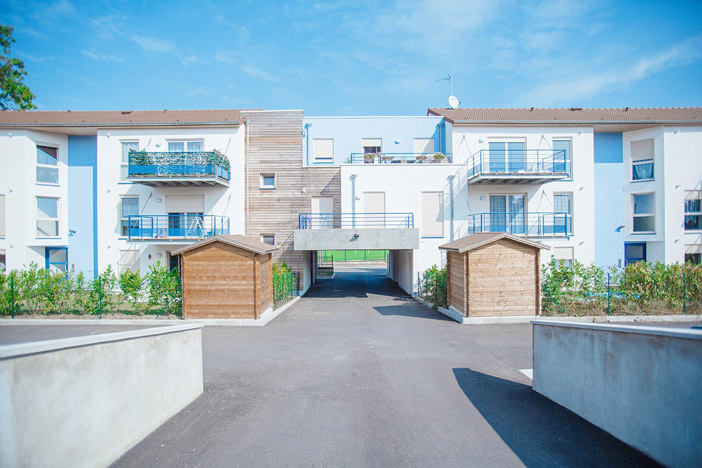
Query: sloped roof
243	242
473	241
118	118
573	115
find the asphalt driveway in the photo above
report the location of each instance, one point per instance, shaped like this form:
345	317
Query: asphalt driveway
358	374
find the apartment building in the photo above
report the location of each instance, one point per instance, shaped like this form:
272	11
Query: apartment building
85	190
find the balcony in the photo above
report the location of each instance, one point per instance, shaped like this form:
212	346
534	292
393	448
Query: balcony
522	224
522	166
399	158
356	231
190	168
175	227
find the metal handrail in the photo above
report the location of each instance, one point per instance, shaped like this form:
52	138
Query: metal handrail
355	220
389	158
176	226
537	224
518	162
144	164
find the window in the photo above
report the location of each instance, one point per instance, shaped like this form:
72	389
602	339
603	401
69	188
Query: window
57	259
47	217
47	165
267	182
507	214
642	160
564	254
423	145
372	145
693	210
129	207
644	218
128	261
180	146
3	260
323	150
693	253
563	213
634	252
186	224
505	157
561	156
432	214
127	146
2	215
268	239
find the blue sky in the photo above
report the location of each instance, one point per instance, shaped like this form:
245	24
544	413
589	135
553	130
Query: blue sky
357	57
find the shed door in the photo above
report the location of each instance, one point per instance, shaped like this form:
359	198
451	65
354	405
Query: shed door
323	212
374	209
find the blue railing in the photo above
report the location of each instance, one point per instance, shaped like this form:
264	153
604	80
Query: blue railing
188	164
525	224
176	226
519	162
355	220
398	158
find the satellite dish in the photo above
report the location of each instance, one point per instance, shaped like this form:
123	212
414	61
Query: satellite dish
453	102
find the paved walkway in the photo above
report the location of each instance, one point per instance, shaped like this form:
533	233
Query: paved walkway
358	374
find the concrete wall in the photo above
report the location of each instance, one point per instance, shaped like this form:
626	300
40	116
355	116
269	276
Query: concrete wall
84	401
609	243
404	273
82	207
641	384
368	239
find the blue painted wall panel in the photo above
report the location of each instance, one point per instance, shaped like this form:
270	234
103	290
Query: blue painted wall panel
82	204
609	209
397	133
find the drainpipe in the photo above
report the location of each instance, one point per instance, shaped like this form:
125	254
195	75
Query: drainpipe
450	181
307	142
353	200
442	137
248	131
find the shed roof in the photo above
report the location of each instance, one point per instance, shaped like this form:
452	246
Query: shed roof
473	241
243	242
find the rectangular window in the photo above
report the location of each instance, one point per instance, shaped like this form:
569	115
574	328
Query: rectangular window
423	146
181	146
643	213
634	252
693	253
642	153
564	254
432	214
563	213
268	239
372	145
506	157
127	146
47	217
56	259
47	165
693	210
507	214
186	225
2	216
267	182
129	207
128	261
561	157
323	149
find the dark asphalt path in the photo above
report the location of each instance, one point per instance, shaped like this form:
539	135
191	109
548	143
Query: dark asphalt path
358	374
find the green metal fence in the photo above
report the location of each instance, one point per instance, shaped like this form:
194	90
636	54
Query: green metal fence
283	288
353	255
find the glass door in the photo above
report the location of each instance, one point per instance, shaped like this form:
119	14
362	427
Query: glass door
507	214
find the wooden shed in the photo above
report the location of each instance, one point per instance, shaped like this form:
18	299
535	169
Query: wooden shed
227	277
493	273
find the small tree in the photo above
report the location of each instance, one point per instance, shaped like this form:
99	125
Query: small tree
14	94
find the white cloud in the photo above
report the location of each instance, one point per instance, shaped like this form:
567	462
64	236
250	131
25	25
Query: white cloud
256	72
152	44
228	57
101	56
191	60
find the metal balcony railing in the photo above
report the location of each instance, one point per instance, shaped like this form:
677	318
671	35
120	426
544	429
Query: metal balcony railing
398	158
525	224
355	220
528	162
182	164
181	226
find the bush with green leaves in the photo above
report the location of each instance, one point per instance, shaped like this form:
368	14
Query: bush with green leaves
164	289
283	283
433	286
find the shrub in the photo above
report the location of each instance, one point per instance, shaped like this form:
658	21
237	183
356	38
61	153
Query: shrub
164	289
433	287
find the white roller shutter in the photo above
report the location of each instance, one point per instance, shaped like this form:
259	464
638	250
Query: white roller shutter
185	203
323	149
642	149
432	214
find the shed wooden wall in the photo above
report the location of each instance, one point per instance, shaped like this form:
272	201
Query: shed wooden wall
219	281
276	147
456	274
266	281
503	279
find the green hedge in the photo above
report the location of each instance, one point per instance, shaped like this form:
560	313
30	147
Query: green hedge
40	291
432	286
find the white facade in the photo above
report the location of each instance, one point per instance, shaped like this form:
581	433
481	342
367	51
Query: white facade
118	250
21	243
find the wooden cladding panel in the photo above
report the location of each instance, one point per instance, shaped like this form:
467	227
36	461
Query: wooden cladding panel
455	281
276	147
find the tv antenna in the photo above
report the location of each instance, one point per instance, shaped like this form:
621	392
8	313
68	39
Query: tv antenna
453	100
